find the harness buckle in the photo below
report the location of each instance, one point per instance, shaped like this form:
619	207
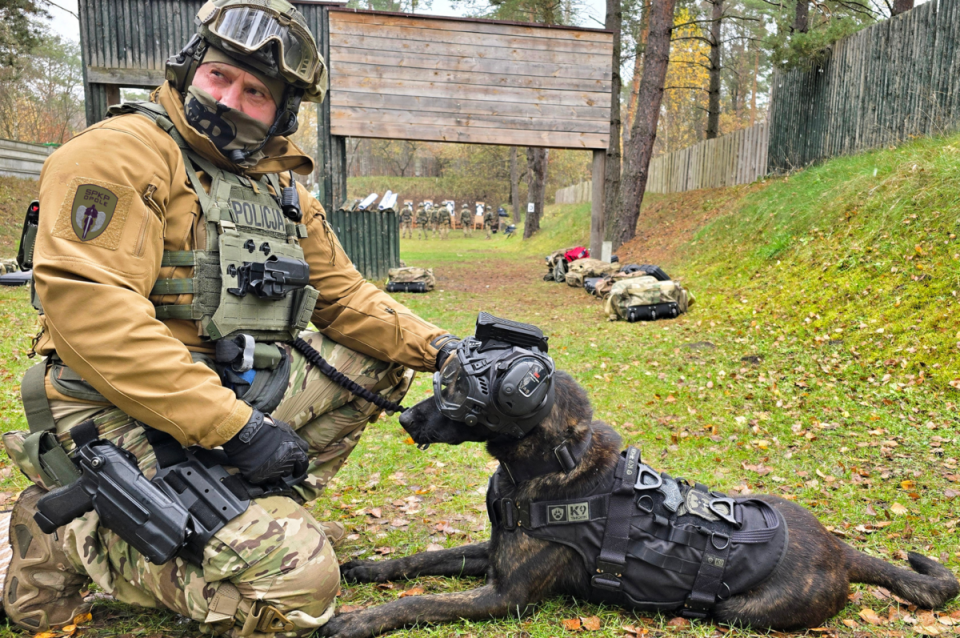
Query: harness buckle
725	508
508	514
566	460
647	478
609	569
605	581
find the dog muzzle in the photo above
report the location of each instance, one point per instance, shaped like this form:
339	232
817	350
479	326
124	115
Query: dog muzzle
502	380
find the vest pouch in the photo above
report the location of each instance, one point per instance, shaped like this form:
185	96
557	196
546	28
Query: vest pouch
40	458
262	389
69	383
306	302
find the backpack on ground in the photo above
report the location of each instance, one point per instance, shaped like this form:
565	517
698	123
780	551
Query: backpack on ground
605	285
646	299
556	261
586	268
646	269
411	279
590	284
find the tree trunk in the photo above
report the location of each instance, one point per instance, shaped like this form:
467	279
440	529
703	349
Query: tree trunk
753	91
537	169
899	6
644	130
637	69
515	186
611	181
801	18
713	104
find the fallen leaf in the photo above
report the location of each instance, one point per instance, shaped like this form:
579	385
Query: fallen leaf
591	623
82	618
415	591
376	512
943	620
927	630
870	616
898	509
409	440
47	634
849	622
908	485
383	551
678	622
434	547
571	624
399	522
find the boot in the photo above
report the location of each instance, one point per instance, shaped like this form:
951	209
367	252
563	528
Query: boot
42	589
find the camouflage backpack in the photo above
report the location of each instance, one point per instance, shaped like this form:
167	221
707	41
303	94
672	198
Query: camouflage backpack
8	266
556	266
411	279
604	286
646	299
584	268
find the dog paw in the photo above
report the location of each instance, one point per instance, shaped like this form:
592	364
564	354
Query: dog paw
360	571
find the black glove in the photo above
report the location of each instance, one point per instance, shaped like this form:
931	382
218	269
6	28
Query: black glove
449	346
267	449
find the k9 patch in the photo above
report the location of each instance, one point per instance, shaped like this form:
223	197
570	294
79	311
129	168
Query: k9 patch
568	513
94	212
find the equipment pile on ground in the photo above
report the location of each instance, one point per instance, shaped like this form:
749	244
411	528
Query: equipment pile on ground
411	279
634	292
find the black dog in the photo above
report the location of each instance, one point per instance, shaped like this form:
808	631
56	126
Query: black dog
809	585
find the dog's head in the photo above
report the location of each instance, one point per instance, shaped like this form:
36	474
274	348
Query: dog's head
569	419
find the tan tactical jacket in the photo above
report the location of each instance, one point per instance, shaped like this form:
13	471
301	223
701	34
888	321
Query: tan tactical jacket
94	275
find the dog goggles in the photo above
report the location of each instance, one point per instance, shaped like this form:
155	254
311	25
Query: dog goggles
251	27
505	388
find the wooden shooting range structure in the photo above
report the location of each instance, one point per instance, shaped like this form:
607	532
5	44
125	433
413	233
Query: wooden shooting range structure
393	76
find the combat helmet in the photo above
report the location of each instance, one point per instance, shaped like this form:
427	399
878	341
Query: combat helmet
268	36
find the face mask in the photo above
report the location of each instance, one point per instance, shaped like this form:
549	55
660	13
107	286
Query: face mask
228	129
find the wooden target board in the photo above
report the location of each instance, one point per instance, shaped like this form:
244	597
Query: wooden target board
402	76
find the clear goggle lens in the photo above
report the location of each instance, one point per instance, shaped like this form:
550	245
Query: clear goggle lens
453	383
250	28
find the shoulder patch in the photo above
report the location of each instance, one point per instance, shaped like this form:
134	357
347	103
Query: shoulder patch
95	213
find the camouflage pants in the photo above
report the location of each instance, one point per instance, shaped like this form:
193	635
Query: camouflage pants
406	230
423	231
487	227
436	228
273	563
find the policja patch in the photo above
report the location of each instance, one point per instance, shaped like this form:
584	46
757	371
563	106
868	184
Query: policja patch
93	208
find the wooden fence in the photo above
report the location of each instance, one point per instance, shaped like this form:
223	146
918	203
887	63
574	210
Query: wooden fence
21	159
894	80
736	158
576	194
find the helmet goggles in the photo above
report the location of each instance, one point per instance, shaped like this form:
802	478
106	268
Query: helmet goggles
502	382
250	27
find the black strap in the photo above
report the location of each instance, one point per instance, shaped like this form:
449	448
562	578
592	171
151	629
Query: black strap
167	449
564	458
580	510
84	432
616	534
709	579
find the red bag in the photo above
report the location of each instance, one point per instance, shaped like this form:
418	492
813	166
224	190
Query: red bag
576	253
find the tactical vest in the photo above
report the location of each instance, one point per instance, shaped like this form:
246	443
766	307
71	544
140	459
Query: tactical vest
251	249
653	542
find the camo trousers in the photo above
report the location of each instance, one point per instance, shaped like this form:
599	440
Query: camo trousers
271	569
406	230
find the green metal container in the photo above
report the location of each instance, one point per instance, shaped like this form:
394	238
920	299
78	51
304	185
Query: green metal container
371	239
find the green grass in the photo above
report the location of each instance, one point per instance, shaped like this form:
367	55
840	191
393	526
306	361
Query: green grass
778	380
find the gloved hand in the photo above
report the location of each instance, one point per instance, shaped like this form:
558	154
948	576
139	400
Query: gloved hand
449	347
267	449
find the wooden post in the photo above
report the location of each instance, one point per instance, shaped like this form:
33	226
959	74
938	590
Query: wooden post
596	207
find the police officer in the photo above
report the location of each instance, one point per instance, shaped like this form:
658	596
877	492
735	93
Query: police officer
434	218
423	222
406	221
489	219
149	223
466	220
443	215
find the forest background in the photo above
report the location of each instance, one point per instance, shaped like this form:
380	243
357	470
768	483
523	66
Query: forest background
722	58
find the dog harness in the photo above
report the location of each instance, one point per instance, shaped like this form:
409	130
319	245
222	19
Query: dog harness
652	542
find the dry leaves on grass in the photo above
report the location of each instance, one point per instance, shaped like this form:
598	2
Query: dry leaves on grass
591	623
871	617
414	591
571	624
346	609
679	623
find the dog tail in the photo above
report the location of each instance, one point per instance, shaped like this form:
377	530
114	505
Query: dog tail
930	585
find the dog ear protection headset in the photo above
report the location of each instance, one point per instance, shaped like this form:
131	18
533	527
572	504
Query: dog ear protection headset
501	378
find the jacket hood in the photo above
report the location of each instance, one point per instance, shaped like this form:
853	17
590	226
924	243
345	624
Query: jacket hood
280	153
